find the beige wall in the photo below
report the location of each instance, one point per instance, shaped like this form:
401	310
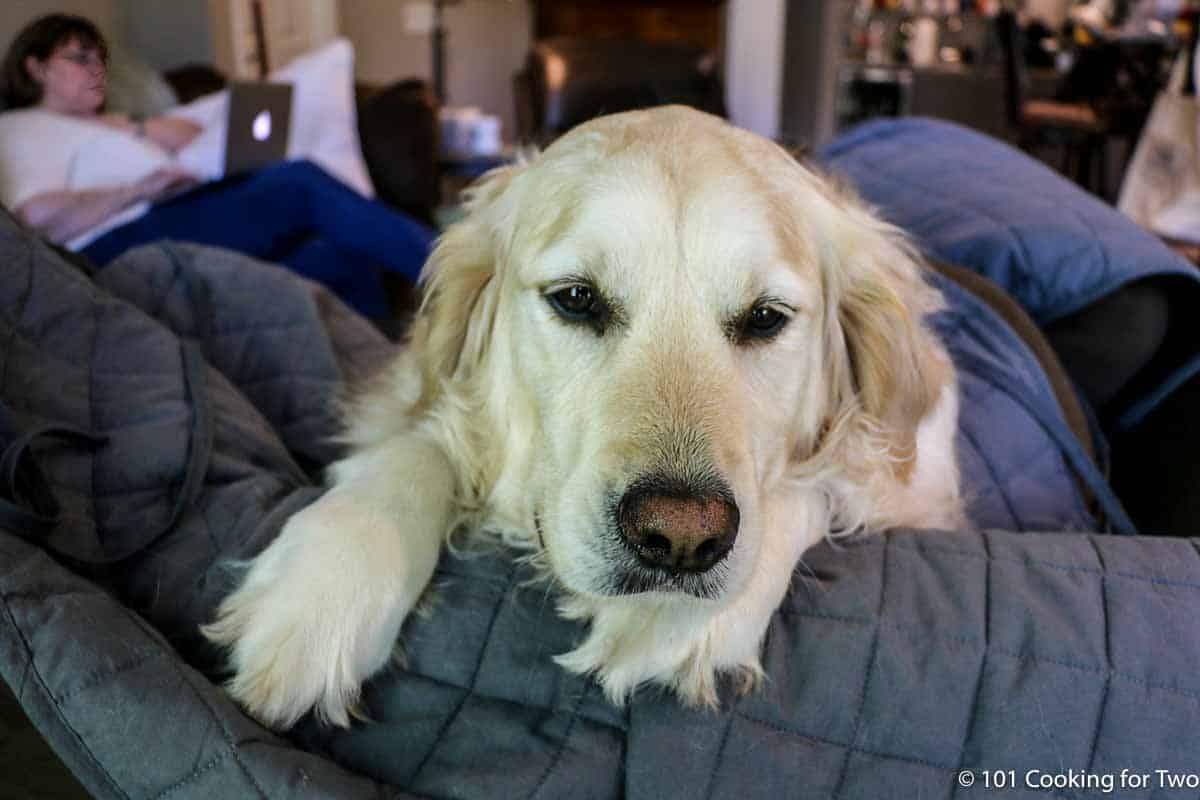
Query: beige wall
754	48
383	50
486	43
166	34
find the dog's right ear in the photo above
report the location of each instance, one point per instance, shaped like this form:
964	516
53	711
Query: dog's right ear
460	286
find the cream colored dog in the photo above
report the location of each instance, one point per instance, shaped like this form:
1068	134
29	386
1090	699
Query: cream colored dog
665	358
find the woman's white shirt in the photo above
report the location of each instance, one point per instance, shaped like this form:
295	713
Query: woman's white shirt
44	151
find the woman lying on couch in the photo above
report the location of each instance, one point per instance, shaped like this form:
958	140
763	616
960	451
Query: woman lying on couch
293	213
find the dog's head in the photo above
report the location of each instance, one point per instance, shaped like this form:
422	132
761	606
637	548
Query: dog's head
637	342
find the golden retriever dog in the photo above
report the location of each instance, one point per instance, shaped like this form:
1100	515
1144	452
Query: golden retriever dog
664	359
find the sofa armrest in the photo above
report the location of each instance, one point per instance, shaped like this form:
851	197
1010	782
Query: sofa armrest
194	80
398	128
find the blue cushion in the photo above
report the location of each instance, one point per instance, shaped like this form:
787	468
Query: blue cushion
972	200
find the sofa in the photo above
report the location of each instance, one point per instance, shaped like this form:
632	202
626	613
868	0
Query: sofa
380	140
159	420
396	122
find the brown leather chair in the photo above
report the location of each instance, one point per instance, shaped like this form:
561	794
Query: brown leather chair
568	80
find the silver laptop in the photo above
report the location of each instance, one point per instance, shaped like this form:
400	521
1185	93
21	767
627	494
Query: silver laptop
260	115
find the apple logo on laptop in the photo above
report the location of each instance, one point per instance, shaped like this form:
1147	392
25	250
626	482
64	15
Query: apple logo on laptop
260	129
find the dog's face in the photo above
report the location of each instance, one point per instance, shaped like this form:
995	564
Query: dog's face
650	330
670	333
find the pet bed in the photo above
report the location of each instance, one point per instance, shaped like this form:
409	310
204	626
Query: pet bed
172	411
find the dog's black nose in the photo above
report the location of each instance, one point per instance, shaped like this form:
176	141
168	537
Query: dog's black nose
682	532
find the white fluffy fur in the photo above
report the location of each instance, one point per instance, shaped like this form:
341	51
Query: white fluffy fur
502	416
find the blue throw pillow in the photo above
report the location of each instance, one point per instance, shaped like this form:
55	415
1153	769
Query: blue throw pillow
972	200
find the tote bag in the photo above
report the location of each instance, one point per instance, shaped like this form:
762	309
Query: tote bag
1161	189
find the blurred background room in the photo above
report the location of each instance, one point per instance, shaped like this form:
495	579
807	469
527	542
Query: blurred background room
406	101
1072	82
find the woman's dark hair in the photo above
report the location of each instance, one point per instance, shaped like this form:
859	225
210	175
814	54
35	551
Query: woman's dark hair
39	39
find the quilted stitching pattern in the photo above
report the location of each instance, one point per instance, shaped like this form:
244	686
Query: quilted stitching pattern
970	200
896	660
1023	479
986	206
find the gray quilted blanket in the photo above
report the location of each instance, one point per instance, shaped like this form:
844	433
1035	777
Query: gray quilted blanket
171	413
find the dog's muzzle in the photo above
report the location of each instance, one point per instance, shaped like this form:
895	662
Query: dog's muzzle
678	531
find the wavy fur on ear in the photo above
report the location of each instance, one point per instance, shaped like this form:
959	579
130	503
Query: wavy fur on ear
459	288
887	373
463	402
897	372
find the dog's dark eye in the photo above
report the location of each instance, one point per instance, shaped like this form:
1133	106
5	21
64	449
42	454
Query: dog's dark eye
575	302
580	303
762	322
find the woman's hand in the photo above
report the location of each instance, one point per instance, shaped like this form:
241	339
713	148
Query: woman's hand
170	133
61	216
163	181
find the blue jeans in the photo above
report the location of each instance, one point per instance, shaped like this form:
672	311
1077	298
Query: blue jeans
295	214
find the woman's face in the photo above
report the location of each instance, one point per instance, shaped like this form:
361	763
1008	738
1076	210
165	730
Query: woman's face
72	78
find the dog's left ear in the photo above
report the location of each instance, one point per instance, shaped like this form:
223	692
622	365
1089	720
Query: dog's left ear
896	372
460	286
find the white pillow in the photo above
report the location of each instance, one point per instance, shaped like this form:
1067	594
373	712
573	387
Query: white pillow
324	119
324	127
204	156
136	88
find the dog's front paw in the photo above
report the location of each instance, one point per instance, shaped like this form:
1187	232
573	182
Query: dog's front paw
317	614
